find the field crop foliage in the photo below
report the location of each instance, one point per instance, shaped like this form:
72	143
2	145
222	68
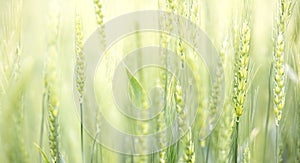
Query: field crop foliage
151	96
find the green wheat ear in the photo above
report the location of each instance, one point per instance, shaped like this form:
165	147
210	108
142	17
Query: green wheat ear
284	11
80	60
80	75
189	152
222	133
99	21
180	110
12	85
241	70
50	84
283	14
240	82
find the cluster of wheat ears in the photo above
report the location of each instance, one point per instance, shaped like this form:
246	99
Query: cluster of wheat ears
259	120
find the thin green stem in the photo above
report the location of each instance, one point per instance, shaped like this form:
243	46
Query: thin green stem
81	131
236	139
208	148
268	112
100	151
97	154
42	124
276	143
202	154
93	147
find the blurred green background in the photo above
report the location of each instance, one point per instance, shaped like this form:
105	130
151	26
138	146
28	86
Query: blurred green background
23	25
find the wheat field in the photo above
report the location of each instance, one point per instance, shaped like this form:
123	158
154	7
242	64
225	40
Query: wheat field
62	100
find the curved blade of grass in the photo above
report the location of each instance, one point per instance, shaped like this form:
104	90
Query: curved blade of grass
93	147
137	92
42	153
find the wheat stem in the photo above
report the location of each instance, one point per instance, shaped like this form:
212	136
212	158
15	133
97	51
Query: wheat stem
276	143
44	101
208	149
241	79
93	147
268	113
236	140
80	77
50	84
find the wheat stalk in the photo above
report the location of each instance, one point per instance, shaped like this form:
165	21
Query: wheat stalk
284	9
98	5
162	137
50	86
164	81
283	14
79	70
247	156
241	78
189	155
241	71
100	22
223	131
12	85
